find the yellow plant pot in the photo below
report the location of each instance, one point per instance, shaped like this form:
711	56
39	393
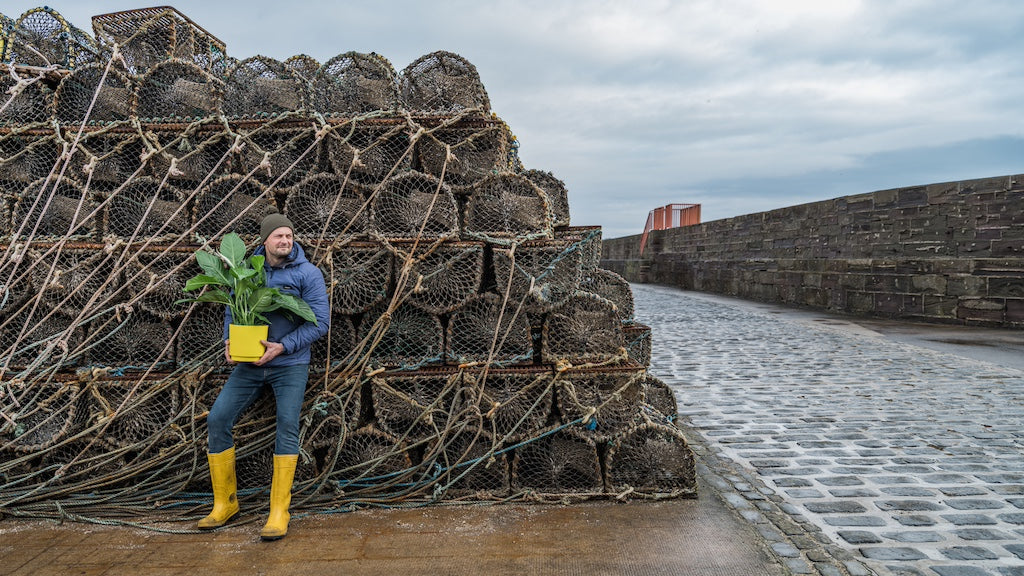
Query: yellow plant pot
244	342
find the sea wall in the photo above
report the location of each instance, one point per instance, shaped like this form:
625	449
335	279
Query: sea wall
950	252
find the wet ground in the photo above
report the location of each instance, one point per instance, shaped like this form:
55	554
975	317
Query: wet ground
826	445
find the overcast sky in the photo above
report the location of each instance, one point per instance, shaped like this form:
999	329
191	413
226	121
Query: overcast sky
738	105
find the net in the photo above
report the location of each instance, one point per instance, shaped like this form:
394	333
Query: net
133	341
652	460
142	208
109	158
32	104
414	205
605	402
177	90
481	332
369	153
42	416
659	402
442	277
516	404
442	82
284	156
155	282
539	275
470	465
68	279
586	240
611	287
464	155
325	206
407	338
417	406
556	193
25	159
334	349
42	339
586	329
504	208
560	461
359	275
303	65
95	94
231	203
263	86
191	156
148	36
42	37
638	343
333	414
201	340
366	459
354	83
138	412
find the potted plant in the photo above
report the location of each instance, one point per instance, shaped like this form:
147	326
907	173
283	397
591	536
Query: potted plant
239	283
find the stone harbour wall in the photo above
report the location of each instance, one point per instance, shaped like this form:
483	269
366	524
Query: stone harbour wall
950	252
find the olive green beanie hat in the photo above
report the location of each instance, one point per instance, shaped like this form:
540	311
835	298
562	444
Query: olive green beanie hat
272	221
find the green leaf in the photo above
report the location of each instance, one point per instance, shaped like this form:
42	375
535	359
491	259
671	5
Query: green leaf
201	281
297	306
215	296
233	249
261	299
210	263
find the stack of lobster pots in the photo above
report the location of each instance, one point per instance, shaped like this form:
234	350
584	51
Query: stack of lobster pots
477	350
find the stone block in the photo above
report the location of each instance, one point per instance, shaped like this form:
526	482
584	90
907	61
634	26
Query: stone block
929	284
1006	287
964	285
1013	248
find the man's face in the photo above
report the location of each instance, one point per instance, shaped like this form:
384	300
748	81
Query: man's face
279	243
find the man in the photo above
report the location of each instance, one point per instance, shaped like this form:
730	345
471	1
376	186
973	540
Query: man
284	367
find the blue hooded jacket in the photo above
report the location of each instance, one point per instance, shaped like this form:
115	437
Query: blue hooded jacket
300	278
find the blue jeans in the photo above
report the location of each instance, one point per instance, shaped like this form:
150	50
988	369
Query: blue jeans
243	387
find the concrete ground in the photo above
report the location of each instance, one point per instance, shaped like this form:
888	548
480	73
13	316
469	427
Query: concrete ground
826	445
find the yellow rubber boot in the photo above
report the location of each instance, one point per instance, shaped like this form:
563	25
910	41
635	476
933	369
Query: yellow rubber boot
225	497
280	496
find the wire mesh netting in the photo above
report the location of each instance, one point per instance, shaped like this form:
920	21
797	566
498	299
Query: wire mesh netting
477	351
507	207
611	287
585	329
443	277
651	459
483	332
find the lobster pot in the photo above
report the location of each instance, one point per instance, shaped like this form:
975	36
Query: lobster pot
515	404
85	95
333	350
557	461
136	341
109	158
556	193
587	241
33	104
254	469
42	37
369	153
142	413
442	83
471	467
586	329
302	65
366	459
77	276
186	156
608	401
638	343
507	207
652	460
231	203
281	156
659	401
83	461
446	277
552	268
43	415
149	36
358	275
201	337
6	228
414	205
326	206
354	83
416	406
482	332
475	153
26	157
409	340
15	288
143	209
612	287
177	91
333	414
37	338
260	85
156	281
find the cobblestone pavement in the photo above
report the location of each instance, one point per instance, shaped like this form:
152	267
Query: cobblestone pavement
836	441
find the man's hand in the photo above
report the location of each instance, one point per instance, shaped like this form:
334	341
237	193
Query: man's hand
227	352
274	349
